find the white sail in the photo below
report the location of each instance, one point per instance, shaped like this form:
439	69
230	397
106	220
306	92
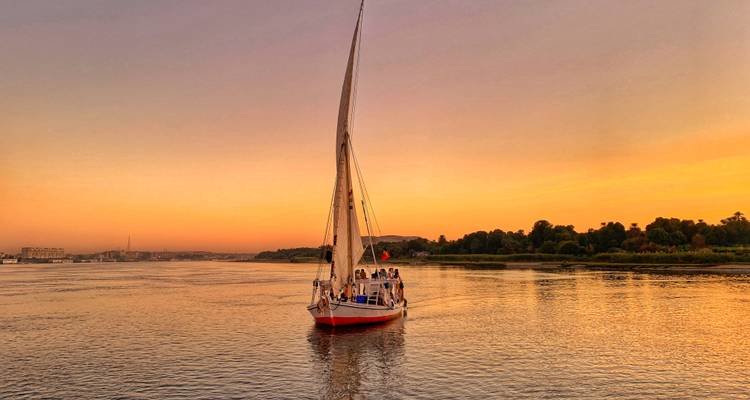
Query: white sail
347	241
371	300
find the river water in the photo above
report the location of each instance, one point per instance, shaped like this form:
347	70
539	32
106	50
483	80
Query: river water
240	330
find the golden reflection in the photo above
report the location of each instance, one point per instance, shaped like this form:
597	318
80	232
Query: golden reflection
348	360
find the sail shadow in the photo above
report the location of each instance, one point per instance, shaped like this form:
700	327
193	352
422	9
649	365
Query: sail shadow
358	362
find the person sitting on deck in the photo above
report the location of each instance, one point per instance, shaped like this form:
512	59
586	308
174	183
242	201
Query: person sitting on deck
395	274
382	273
390	273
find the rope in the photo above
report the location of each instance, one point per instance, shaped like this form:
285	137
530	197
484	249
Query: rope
363	190
325	233
351	132
364	186
366	195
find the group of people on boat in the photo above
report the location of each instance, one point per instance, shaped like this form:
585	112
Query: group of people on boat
378	274
389	289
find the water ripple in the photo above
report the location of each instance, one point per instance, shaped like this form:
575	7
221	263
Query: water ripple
237	331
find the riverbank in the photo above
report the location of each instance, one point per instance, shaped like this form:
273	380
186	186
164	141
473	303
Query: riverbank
737	268
742	268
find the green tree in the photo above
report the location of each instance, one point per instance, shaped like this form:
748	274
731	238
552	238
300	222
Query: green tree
442	241
609	236
737	228
634	231
634	243
717	236
570	247
495	241
658	236
564	233
677	238
541	232
548	247
698	241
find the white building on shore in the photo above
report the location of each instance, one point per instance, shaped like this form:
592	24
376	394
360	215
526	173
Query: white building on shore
47	253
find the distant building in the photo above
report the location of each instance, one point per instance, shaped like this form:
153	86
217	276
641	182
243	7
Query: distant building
46	253
9	261
112	255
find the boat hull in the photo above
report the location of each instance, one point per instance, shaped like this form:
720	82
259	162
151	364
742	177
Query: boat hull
342	314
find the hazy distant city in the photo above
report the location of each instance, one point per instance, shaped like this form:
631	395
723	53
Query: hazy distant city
58	255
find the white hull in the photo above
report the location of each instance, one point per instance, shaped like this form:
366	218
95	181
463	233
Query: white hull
348	313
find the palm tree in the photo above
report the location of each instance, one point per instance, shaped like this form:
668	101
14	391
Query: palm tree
737	216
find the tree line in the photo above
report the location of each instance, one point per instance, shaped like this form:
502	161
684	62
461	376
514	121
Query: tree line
661	235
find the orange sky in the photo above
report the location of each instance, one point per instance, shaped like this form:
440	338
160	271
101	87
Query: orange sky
196	125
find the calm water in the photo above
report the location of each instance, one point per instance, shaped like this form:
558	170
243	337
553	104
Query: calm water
230	330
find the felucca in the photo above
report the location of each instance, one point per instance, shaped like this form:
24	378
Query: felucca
353	293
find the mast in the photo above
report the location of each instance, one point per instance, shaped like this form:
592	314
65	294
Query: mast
345	226
350	201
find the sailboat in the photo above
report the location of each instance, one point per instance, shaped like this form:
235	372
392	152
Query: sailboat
349	297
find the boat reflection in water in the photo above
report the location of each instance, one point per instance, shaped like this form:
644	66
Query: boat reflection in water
353	361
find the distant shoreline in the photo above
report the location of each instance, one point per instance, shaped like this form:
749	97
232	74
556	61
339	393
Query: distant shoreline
734	268
721	268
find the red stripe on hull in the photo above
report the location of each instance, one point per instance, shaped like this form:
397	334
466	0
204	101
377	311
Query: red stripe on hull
340	321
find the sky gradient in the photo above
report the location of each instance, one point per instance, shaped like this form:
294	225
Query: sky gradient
211	125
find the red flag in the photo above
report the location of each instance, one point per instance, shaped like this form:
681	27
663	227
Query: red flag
385	256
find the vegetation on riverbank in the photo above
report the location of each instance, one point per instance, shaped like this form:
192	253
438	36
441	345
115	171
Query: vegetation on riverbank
686	257
287	255
663	241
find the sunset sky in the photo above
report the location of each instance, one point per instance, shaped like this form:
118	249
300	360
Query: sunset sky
210	125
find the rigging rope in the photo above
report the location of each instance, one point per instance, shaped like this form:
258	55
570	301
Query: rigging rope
366	193
328	225
361	182
351	132
363	187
